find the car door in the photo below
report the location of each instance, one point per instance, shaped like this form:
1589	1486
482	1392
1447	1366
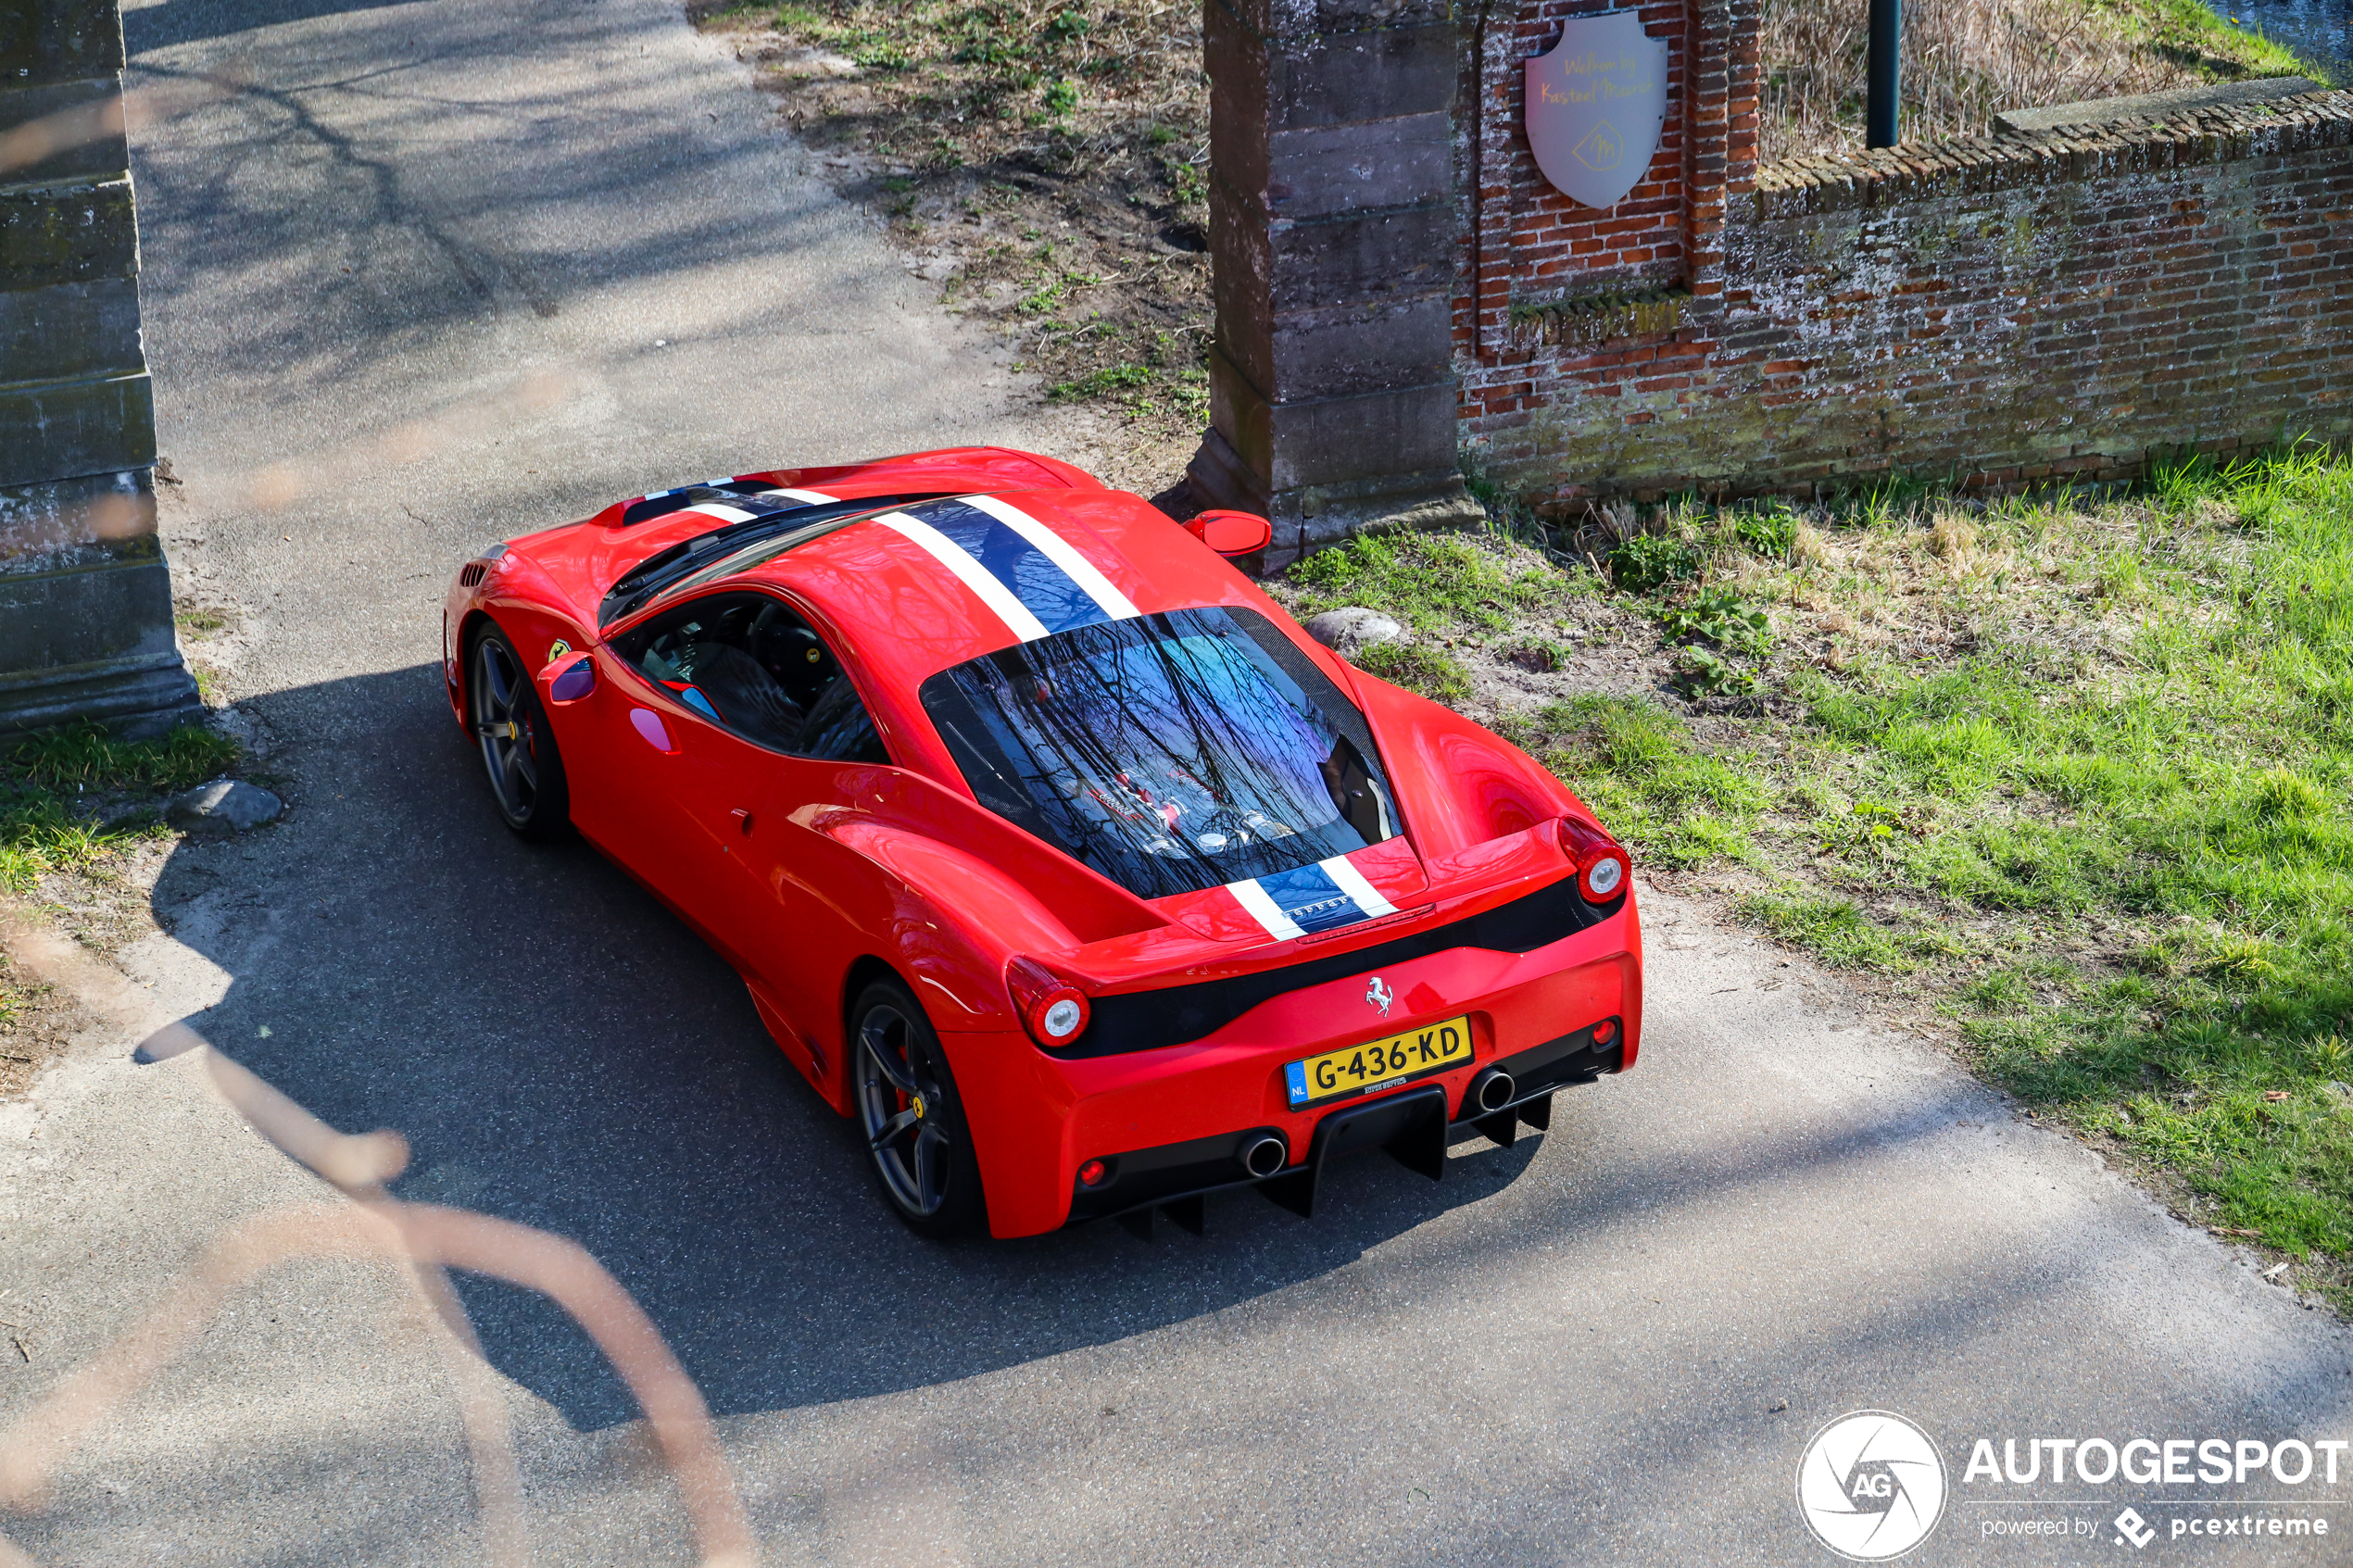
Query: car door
765	722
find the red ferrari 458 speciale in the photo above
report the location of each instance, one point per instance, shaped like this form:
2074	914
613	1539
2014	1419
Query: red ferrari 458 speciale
1051	848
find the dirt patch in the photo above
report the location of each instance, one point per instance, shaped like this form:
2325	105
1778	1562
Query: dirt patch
1497	630
1044	165
37	1020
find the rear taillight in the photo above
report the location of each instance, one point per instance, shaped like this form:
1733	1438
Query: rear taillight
1051	1009
1602	866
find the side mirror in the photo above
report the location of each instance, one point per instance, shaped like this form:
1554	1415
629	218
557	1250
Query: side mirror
561	683
1232	533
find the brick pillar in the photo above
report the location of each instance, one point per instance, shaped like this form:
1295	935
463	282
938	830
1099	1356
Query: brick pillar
85	597
1332	238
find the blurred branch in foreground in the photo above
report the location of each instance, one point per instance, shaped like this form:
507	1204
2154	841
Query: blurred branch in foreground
424	1239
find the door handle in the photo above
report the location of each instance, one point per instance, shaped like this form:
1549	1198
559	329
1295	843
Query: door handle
743	820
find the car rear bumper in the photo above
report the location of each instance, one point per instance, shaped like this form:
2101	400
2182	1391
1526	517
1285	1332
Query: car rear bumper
1169	1122
1416	1124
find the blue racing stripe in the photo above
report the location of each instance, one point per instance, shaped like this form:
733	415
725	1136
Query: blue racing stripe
1311	900
1027	573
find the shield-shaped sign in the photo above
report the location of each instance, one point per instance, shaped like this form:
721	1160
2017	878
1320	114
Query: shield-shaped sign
1596	105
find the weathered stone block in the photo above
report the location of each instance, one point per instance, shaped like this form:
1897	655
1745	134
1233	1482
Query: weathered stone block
1350	348
1317	82
70	330
87	634
1300	19
1329	262
69	233
80	121
1326	440
1341	169
54	515
61	429
1341	260
59	40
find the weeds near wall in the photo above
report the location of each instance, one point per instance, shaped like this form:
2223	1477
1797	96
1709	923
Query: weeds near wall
69	798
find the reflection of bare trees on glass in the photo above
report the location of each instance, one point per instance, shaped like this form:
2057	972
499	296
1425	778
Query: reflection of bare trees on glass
1170	752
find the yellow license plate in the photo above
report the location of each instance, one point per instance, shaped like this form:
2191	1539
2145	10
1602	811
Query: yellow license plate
1378	1064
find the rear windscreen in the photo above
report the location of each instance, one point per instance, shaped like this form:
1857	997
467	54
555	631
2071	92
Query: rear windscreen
1170	752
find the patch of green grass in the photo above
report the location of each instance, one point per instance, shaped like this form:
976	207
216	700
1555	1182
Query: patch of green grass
2083	769
1833	929
1432	671
2199	35
1095	384
1636	764
48	781
1434	583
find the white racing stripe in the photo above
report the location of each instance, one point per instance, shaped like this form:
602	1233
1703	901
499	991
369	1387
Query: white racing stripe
979	578
814	497
1054	548
1352	882
1253	897
721	510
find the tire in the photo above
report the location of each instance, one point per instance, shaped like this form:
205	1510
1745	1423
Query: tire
918	1143
526	771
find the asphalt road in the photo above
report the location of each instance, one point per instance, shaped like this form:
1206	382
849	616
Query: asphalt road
570	224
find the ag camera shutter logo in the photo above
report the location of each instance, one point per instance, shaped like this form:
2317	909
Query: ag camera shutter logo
1870	1486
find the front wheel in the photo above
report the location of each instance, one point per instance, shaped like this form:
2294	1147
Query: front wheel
518	749
911	1117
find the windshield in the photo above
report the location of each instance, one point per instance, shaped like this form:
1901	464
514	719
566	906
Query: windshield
774	527
1170	752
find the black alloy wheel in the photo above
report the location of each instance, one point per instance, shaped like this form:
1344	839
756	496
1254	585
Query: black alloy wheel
518	750
911	1117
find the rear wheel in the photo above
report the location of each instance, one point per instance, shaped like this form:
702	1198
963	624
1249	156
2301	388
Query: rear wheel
912	1116
518	749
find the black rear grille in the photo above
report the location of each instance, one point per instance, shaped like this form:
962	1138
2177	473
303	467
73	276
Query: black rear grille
1144	1021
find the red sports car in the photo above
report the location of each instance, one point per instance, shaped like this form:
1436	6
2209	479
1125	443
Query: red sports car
1051	848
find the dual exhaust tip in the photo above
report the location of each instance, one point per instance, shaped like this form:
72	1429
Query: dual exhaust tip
1266	1154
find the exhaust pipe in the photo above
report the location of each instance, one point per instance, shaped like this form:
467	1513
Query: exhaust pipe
1263	1157
1492	1090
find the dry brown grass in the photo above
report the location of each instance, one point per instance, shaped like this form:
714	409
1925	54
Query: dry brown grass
1043	161
1966	60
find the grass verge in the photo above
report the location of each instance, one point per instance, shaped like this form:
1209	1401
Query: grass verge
72	798
2076	773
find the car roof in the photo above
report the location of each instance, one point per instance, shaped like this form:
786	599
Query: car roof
933	583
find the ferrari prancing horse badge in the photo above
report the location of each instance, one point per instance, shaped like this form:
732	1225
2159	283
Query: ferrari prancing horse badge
1596	105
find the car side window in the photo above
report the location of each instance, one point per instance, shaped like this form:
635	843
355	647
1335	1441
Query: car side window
751	665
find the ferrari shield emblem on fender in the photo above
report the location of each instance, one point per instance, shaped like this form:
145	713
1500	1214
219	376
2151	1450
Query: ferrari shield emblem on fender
1596	105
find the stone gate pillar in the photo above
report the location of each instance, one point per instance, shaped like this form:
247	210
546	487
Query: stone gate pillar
1333	238
85	597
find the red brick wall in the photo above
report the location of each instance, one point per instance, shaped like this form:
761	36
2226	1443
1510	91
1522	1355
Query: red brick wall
1543	277
1997	311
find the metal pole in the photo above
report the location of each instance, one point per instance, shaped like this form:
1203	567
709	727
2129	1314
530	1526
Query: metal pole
1887	72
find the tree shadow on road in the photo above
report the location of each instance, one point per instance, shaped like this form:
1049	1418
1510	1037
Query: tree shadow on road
561	1051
